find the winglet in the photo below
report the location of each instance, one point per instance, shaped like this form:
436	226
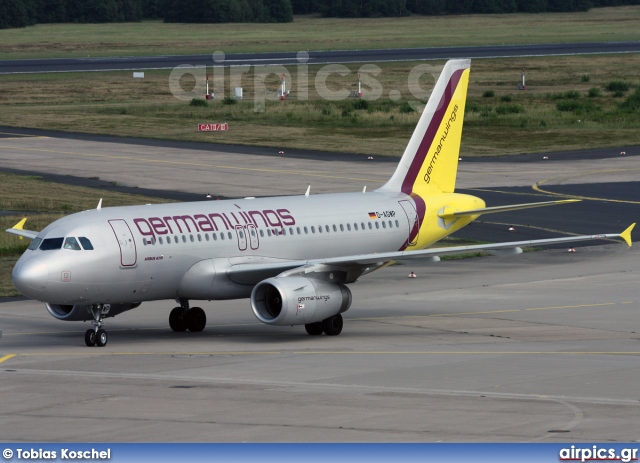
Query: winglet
626	235
20	225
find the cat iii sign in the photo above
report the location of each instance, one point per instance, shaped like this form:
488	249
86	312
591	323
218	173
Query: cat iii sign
213	127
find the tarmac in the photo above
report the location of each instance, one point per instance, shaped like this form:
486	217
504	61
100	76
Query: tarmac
538	347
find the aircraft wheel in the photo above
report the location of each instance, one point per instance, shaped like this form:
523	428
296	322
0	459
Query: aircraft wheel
101	338
314	329
90	338
196	319
333	325
177	320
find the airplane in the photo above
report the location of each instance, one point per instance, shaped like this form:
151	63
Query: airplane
292	256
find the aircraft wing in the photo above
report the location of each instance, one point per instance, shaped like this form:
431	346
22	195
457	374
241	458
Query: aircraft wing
18	229
448	213
250	271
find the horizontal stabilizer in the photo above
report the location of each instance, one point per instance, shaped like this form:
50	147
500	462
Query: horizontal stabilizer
447	213
18	229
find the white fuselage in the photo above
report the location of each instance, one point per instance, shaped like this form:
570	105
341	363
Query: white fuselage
143	253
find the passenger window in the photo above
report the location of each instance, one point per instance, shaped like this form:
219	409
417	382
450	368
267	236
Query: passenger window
377	225
298	230
370	227
390	224
215	237
51	244
335	229
241	234
206	237
320	229
229	235
175	239
348	227
35	243
283	231
86	244
184	239
327	228
268	232
199	237
341	227
222	236
261	233
291	230
160	239
384	224
362	224
397	224
355	226
313	229
305	230
191	238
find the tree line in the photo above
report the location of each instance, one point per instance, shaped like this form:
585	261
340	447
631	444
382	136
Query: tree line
21	13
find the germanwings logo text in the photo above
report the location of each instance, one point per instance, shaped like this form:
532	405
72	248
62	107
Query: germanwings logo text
169	225
452	118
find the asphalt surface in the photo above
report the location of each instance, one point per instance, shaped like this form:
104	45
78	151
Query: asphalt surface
530	348
313	57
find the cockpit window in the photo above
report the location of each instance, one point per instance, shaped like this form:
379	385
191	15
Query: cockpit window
71	243
86	244
51	243
35	243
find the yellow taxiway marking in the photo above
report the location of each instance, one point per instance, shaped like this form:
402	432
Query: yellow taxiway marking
488	352
7	357
112	353
536	187
577	306
328	352
196	164
20	135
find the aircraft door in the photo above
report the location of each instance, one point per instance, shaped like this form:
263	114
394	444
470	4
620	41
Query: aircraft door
412	217
242	237
128	252
253	236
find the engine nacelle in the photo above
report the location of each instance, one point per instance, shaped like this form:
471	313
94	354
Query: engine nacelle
298	300
74	313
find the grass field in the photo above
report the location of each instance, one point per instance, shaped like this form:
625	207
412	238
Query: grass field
566	106
313	33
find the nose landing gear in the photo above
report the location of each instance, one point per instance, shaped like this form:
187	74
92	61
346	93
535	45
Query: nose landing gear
97	336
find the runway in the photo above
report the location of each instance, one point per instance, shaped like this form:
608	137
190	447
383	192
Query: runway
137	63
538	347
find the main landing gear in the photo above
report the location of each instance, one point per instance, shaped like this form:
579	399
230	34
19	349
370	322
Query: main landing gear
184	318
331	326
97	336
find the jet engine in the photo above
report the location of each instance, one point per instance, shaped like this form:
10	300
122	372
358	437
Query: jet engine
74	313
298	300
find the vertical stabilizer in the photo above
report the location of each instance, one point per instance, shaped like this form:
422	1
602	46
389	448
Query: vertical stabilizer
430	160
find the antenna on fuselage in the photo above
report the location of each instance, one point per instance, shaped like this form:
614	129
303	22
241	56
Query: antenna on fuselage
308	190
99	204
364	190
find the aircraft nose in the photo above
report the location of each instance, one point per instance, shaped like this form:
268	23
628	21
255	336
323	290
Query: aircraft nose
30	277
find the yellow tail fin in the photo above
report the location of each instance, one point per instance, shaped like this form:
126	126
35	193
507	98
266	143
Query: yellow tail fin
430	160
